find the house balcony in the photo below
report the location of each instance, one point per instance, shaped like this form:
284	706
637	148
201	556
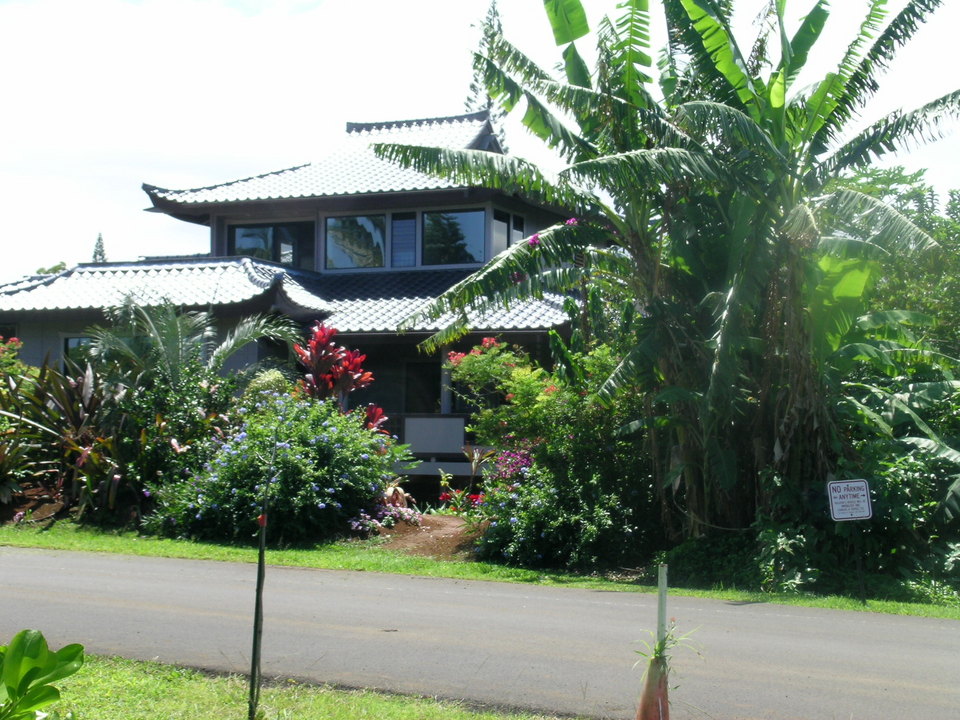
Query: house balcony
436	441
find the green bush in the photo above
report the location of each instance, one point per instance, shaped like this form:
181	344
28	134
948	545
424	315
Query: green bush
567	487
721	559
319	468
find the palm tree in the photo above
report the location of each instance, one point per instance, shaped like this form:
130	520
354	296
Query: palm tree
709	212
159	344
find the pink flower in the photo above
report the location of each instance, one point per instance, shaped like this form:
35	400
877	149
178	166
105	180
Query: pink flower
455	358
534	240
571	221
489	342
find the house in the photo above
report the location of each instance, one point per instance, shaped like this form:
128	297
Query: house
350	239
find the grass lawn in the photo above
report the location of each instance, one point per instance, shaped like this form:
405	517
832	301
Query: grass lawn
370	557
117	688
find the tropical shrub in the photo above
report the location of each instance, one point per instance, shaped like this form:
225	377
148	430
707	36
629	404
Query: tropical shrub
330	370
318	469
27	669
10	362
566	488
166	430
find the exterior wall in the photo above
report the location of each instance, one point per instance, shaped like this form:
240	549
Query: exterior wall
43	333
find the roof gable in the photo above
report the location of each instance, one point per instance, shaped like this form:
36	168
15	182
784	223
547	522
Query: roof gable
351	168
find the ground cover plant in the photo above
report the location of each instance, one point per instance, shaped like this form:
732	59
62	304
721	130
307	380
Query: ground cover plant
114	687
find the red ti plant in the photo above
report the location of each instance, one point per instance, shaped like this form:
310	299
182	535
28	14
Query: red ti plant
331	369
376	419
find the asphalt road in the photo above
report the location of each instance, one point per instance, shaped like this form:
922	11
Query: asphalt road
558	650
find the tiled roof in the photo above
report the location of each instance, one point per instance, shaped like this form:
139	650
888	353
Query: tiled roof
379	302
370	302
190	282
351	168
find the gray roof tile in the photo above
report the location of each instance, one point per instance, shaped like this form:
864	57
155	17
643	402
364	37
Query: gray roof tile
369	302
351	168
379	302
192	282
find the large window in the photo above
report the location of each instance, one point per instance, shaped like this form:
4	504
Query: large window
409	239
453	238
356	242
287	243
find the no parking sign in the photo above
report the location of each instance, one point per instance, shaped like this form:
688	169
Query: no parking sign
849	500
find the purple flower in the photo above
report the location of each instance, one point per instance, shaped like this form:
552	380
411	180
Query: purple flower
571	221
534	240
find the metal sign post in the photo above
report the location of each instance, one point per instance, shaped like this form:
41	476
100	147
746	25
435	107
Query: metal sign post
850	500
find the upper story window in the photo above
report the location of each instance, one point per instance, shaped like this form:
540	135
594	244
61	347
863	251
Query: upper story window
507	230
453	237
289	243
358	241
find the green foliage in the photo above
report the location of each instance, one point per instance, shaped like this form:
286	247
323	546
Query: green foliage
99	254
168	429
930	283
143	411
715	560
328	468
10	362
27	669
266	381
567	488
708	242
53	269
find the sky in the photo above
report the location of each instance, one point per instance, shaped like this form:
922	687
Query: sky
101	96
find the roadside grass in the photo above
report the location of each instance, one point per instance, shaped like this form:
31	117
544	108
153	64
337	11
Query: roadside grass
369	556
134	690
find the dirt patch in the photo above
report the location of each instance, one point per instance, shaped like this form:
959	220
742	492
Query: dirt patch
34	501
437	536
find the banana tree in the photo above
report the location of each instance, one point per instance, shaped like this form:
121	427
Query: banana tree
709	210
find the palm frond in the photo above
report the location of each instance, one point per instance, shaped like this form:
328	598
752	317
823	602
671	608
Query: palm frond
521	271
794	54
248	330
631	45
858	71
568	20
491	170
687	64
647	169
735	130
897	131
873	218
713	28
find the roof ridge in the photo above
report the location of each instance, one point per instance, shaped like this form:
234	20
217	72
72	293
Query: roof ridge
153	189
358	127
29	282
